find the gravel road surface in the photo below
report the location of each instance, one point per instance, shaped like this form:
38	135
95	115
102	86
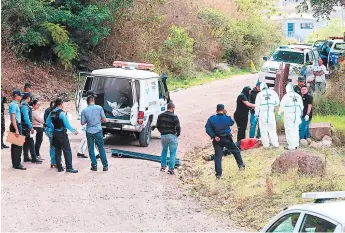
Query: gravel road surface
133	195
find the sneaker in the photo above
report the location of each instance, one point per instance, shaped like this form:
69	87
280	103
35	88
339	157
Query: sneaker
40	158
309	140
93	169
72	170
207	157
98	156
3	146
61	169
27	160
218	177
52	165
36	161
171	172
163	169
242	168
105	169
81	156
20	168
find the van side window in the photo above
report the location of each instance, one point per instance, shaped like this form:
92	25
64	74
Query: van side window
137	90
88	84
161	89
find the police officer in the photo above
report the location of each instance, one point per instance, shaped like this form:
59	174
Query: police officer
16	127
26	117
58	121
218	128
300	84
3	102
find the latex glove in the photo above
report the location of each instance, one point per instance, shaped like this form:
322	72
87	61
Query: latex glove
279	117
306	118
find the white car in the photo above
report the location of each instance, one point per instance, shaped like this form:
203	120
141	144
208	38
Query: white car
299	57
132	96
320	216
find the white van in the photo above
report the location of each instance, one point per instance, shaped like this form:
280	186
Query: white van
132	97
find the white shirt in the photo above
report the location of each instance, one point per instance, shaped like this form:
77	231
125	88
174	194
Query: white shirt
322	78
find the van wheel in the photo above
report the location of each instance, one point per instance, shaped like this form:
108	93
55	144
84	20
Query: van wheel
145	135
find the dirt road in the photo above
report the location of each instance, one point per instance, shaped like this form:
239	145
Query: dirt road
133	195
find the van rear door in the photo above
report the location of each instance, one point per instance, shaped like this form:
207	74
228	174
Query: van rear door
85	80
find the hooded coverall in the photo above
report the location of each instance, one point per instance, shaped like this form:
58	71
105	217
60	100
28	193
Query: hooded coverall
265	103
292	106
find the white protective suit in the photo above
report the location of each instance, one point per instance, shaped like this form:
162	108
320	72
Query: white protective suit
292	106
83	143
265	104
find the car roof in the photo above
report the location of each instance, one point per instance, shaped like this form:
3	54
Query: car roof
126	73
337	40
333	209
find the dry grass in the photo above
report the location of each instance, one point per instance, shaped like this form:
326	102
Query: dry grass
252	197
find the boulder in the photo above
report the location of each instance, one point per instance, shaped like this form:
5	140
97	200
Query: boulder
305	163
326	138
319	130
224	67
337	141
316	145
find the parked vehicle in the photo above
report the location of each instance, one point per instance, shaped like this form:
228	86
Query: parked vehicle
302	59
320	216
331	50
132	96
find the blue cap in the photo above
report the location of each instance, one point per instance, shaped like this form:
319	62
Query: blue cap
26	95
164	76
220	107
16	92
258	84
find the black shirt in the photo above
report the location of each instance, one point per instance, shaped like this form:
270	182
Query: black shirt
241	109
307	99
252	98
168	123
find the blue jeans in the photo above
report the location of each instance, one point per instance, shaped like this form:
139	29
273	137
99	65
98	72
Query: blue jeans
92	139
51	147
169	141
304	129
253	124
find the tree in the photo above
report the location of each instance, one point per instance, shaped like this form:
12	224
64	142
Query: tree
320	8
63	28
333	29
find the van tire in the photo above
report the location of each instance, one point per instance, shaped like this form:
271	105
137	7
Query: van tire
145	135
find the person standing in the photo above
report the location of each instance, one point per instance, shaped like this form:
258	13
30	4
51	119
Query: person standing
253	120
169	127
28	129
307	115
292	106
3	102
265	104
58	121
83	143
241	113
37	123
320	72
49	132
16	127
28	89
218	128
92	117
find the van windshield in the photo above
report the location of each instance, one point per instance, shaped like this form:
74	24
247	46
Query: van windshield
288	57
115	95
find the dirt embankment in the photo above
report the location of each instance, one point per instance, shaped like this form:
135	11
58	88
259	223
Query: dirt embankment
49	81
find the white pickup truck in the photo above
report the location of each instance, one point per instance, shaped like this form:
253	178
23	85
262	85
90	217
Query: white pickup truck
132	97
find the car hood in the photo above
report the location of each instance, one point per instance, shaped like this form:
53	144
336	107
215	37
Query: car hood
273	66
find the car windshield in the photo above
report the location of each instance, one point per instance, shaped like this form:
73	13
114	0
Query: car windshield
288	57
339	46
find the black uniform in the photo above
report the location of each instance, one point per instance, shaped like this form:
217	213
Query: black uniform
241	113
3	102
29	142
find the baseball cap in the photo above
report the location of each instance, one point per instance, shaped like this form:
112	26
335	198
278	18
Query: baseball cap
220	107
258	84
16	92
26	95
27	84
90	93
300	79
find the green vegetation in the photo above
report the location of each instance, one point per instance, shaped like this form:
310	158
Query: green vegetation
202	78
333	29
320	8
337	122
65	29
326	105
251	198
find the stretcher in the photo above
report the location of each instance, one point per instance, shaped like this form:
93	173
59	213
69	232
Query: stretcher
136	155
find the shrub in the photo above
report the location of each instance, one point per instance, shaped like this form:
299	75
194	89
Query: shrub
324	105
63	28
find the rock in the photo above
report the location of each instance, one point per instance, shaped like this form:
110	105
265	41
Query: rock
222	67
326	143
336	141
305	163
319	130
311	165
303	143
326	138
316	145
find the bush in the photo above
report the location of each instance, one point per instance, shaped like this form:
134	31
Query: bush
60	28
324	105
